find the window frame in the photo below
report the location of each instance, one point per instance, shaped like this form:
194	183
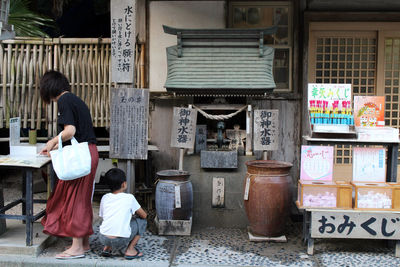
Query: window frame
289	45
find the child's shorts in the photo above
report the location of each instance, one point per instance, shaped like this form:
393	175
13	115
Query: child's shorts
138	227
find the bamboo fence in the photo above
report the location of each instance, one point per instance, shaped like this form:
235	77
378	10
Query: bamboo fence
86	62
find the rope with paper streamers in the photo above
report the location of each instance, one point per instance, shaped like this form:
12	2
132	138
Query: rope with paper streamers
219	117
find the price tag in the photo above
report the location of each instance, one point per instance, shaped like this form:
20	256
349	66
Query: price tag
178	197
247	189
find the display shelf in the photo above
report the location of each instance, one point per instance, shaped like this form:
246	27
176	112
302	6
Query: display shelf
392	150
372	196
324	194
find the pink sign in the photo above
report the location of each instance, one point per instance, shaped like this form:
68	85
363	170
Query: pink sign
316	163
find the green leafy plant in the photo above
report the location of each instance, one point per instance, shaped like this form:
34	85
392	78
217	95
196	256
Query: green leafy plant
26	22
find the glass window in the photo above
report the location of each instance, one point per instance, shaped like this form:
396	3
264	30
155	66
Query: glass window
264	15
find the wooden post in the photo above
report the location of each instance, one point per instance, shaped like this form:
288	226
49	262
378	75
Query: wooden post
130	176
249	129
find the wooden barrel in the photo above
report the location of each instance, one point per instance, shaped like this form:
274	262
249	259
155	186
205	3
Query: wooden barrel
268	203
171	183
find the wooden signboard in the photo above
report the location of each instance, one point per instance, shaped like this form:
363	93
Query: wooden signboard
353	224
218	192
128	131
183	127
123	36
266	129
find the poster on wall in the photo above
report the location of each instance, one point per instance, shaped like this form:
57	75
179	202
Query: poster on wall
266	129
123	36
183	127
129	120
330	103
369	164
316	163
369	111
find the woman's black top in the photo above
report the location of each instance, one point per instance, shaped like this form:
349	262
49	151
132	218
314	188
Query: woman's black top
73	111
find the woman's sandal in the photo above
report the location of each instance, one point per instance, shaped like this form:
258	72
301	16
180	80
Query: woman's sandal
137	256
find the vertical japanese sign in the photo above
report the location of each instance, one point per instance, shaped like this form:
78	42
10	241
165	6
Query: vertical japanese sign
183	127
369	164
266	129
339	224
15	131
316	163
123	34
128	131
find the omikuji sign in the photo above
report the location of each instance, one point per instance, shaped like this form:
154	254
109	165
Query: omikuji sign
342	224
337	95
183	127
123	34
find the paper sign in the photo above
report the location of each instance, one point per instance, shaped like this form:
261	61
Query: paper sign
369	111
15	130
330	93
369	164
316	163
177	196
247	189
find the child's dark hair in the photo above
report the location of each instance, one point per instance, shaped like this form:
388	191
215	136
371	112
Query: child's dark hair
114	178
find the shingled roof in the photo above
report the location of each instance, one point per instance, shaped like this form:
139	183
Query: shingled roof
220	62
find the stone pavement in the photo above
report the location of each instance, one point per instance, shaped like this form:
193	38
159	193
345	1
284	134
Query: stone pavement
224	247
215	247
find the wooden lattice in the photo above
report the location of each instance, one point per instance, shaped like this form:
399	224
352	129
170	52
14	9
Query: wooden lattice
85	62
346	59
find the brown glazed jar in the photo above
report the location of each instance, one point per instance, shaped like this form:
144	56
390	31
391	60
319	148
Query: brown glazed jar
268	204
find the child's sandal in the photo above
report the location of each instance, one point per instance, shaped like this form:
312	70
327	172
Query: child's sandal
105	253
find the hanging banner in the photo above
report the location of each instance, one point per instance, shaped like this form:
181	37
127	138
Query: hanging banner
183	127
123	34
266	129
128	130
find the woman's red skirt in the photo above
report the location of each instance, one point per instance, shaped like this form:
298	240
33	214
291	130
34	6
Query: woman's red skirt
69	208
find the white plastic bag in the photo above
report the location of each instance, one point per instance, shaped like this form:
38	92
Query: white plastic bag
71	162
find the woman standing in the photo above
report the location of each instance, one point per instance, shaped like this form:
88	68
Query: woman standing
69	208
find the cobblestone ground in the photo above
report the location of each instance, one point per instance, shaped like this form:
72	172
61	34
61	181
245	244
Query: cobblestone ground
218	247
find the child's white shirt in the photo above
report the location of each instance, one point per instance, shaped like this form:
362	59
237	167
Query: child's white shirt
116	211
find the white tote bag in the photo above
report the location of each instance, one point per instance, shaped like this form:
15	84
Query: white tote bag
71	162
